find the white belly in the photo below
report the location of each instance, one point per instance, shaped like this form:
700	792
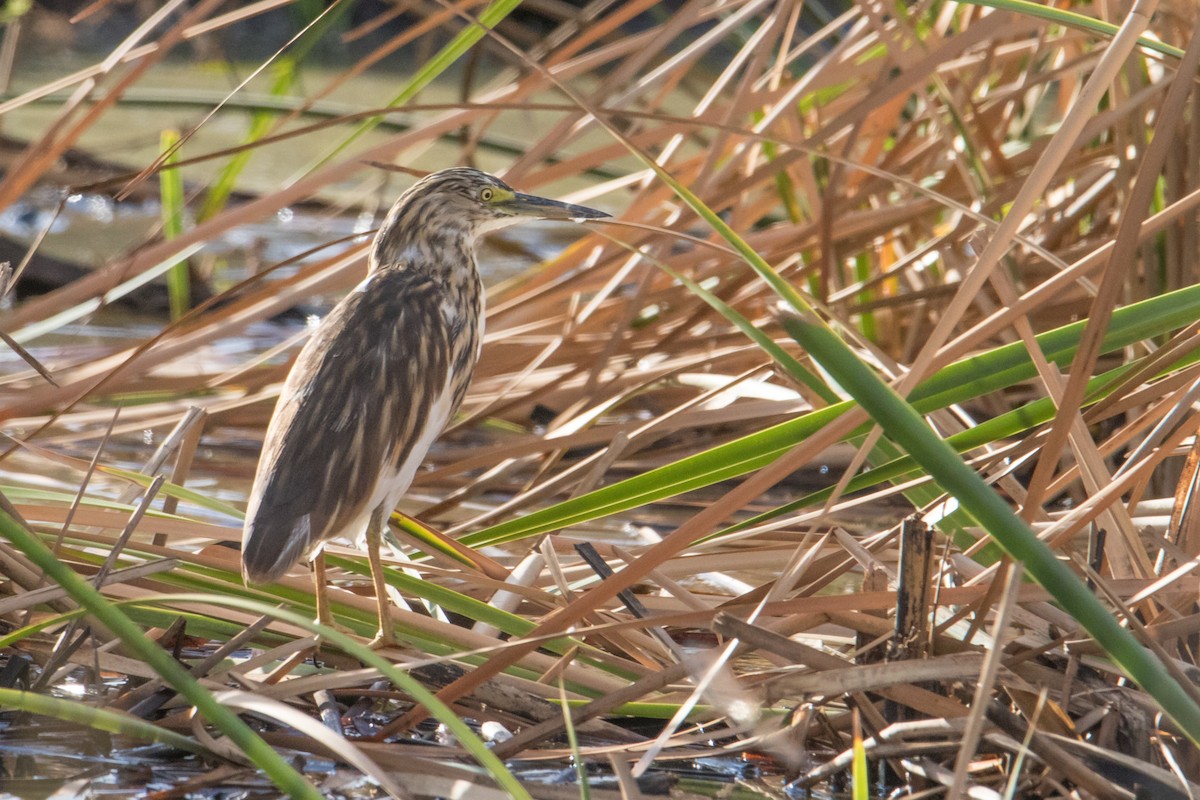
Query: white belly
394	481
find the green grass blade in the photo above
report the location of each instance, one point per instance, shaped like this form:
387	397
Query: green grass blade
178	492
862	273
1072	20
170	187
426	542
581	773
859	782
24	494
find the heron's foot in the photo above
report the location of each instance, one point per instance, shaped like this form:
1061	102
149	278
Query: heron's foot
385	638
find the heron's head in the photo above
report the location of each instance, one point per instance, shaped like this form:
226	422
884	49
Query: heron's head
464	201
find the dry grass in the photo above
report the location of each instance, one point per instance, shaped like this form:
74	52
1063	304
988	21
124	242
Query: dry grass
918	175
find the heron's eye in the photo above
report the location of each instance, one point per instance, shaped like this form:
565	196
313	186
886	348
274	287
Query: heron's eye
487	194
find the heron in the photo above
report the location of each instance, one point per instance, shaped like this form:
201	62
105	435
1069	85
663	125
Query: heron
379	379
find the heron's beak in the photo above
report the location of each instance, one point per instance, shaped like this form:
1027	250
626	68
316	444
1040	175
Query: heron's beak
528	205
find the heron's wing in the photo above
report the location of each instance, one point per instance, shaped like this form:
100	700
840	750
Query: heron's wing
353	412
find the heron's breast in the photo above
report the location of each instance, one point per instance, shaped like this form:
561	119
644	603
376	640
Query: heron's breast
402	461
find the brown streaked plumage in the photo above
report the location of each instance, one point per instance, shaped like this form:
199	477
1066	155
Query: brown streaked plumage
382	375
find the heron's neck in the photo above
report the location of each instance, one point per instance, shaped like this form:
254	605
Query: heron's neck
409	239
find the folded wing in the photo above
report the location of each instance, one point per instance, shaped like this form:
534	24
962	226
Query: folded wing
351	418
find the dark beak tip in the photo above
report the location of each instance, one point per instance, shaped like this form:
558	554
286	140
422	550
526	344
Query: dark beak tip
580	213
546	208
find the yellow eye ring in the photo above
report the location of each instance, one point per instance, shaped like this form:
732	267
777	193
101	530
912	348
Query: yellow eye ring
486	195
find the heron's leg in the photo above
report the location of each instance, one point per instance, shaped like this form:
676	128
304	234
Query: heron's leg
386	637
324	617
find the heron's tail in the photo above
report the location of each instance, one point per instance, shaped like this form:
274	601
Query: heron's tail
269	550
